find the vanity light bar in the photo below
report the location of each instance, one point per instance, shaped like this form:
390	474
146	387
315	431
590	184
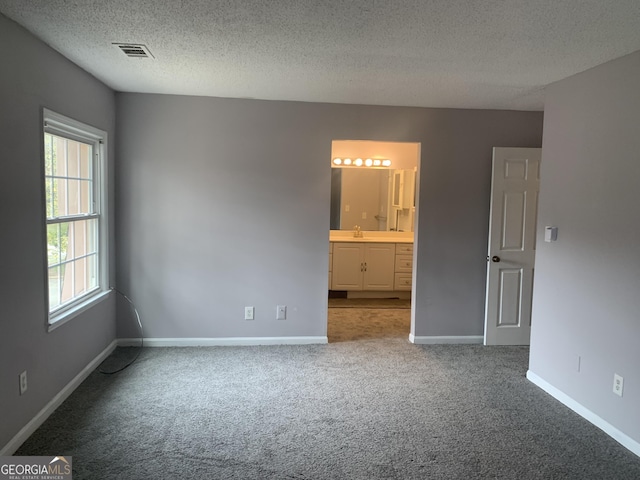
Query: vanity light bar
359	162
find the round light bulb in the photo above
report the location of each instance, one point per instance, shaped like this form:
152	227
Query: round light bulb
337	161
347	161
358	162
368	162
377	163
386	163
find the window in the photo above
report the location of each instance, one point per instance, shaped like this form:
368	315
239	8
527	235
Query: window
75	197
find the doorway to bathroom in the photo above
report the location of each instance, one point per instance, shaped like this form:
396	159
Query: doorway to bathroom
373	211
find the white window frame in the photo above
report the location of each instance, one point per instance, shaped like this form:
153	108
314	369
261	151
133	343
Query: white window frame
62	126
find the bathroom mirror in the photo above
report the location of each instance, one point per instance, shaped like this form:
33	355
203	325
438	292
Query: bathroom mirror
374	199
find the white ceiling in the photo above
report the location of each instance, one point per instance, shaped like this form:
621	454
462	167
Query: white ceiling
431	53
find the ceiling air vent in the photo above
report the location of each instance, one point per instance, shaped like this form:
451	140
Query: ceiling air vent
134	50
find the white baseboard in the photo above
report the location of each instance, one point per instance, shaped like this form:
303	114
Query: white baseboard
55	402
620	437
221	341
446	340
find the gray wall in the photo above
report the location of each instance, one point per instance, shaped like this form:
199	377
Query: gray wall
34	76
223	203
586	300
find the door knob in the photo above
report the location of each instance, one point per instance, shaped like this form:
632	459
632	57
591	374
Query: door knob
495	258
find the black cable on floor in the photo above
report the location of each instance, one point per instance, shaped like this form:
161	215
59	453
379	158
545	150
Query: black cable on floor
133	307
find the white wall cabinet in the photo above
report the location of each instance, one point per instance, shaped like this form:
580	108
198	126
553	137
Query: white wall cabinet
363	266
403	189
397	189
409	189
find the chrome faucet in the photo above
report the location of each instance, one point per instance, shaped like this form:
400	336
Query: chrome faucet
357	233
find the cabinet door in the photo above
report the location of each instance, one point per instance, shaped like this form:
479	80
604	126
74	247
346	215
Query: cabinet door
348	261
397	189
330	262
409	189
379	261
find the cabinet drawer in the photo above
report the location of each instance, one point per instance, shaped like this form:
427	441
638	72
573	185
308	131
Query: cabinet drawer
404	263
404	248
402	281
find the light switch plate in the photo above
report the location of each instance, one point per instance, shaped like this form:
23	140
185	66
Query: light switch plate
550	234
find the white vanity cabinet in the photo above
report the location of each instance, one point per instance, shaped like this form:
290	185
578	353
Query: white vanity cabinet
363	266
330	262
404	266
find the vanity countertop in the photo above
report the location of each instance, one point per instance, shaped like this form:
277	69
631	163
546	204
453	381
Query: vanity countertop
371	237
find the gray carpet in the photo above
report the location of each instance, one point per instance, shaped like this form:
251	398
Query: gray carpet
354	324
368	409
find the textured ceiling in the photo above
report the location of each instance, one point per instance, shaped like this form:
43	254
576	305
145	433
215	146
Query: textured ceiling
432	53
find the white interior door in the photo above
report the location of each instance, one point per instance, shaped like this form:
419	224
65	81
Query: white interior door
512	236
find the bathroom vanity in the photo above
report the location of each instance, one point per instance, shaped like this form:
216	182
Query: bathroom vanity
372	265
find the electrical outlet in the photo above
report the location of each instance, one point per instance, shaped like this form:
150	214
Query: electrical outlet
281	312
618	384
23	382
248	313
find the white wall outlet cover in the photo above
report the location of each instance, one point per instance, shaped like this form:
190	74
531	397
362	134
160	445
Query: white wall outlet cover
281	312
23	382
248	313
618	384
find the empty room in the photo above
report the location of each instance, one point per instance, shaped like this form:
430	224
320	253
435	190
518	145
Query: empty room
320	240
